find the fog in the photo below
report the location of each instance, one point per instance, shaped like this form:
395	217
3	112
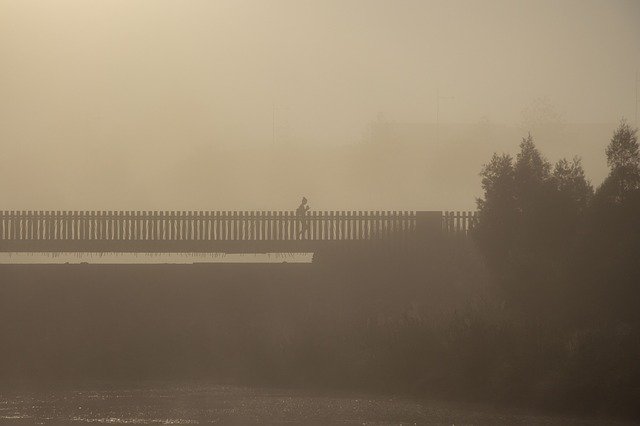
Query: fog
252	104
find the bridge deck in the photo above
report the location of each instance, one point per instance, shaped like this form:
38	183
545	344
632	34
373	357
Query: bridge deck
210	231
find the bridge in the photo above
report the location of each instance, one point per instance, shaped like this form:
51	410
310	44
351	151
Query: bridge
221	231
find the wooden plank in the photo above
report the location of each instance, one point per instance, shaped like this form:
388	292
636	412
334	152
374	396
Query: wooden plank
223	226
124	225
31	222
67	225
109	225
16	225
142	219
324	223
63	225
348	226
98	219
184	225
331	225
153	223
72	225
245	226
25	225
54	225
289	221
173	225
162	226
206	226
356	225
118	225
217	226
269	233
36	226
28	225
465	221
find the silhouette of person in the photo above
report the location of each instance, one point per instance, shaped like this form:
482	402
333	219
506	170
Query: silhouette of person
301	213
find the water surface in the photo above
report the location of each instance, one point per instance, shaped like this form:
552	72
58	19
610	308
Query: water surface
164	403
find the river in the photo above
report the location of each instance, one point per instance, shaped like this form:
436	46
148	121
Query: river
172	403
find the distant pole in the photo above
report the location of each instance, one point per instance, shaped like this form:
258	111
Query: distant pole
637	81
282	125
438	97
438	115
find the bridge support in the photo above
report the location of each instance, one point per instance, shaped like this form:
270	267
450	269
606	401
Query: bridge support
428	224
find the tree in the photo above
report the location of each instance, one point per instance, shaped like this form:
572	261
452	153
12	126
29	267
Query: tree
531	168
497	211
528	218
623	159
612	234
572	184
497	183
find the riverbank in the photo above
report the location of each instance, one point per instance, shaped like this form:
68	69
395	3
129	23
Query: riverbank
424	324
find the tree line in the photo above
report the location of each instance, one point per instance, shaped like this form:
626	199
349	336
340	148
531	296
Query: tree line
554	244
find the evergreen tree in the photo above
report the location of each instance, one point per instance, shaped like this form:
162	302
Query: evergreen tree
623	159
572	184
528	221
531	168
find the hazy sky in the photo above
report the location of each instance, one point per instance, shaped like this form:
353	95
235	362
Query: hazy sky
161	78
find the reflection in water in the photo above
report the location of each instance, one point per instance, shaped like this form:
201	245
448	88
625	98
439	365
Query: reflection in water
150	258
166	403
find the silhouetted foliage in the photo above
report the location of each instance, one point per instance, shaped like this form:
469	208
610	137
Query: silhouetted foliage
528	218
611	244
571	182
623	159
553	245
498	210
567	262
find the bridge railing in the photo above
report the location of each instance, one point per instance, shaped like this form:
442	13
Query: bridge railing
220	225
204	225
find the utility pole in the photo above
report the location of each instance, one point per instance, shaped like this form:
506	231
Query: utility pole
438	97
274	128
637	100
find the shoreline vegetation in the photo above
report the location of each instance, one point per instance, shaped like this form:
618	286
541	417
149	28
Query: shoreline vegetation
537	308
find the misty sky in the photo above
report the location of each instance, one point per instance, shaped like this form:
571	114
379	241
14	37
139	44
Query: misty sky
141	83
